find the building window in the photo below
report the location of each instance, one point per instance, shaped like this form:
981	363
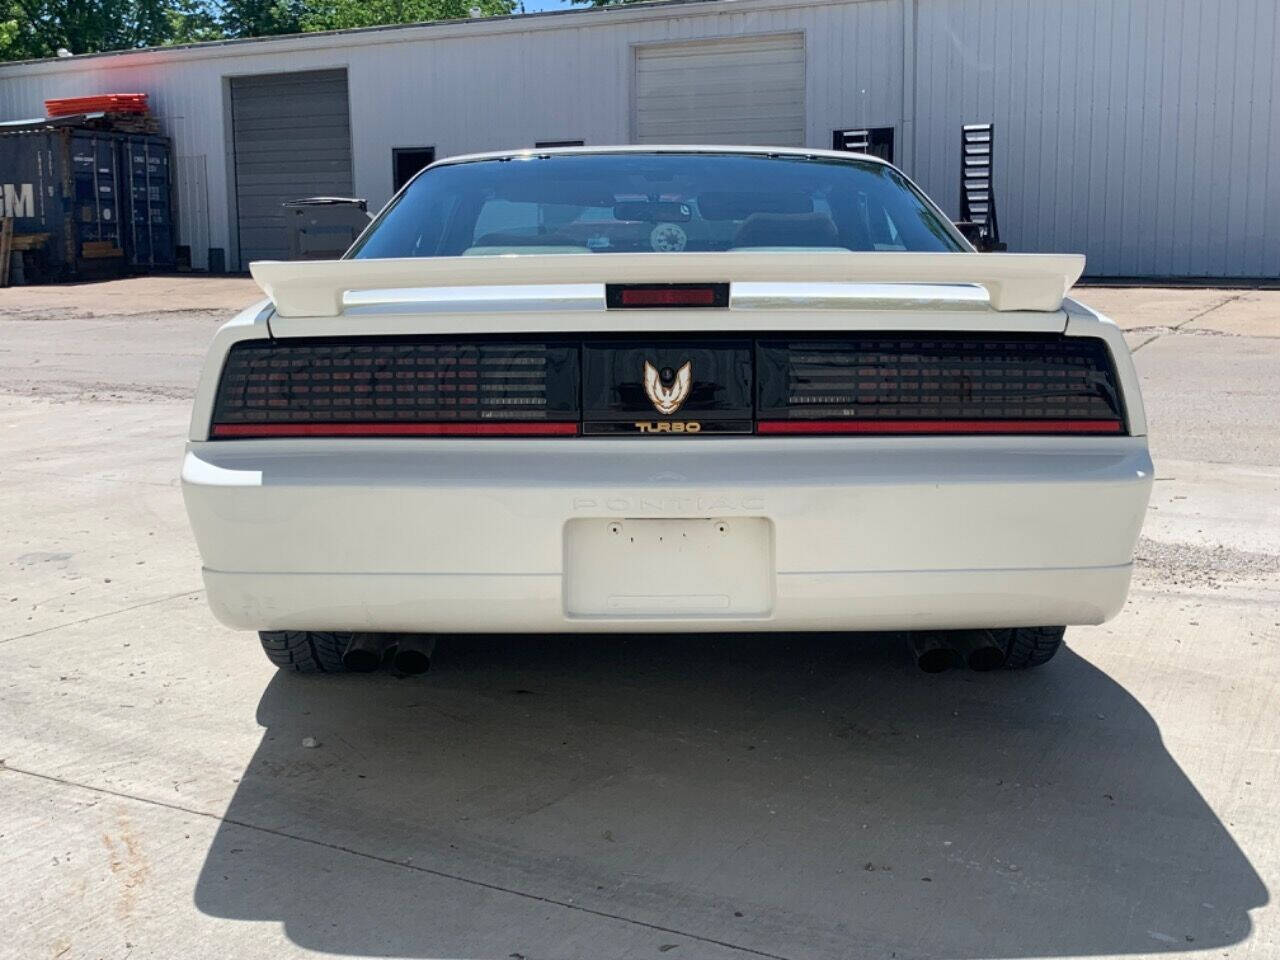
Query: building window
406	161
547	144
877	141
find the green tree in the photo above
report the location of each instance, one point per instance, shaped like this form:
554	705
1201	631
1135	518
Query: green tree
346	14
38	28
261	18
193	21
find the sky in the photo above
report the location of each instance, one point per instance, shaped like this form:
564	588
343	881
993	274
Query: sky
535	6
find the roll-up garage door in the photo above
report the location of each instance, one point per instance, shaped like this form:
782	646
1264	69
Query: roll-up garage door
292	139
743	90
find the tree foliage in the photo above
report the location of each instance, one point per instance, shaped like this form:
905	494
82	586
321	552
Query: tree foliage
346	14
39	28
261	18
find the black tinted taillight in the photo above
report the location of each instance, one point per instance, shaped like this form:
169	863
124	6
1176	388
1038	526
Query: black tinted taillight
704	385
937	384
397	387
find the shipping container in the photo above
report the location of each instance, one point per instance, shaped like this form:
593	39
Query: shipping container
94	203
149	236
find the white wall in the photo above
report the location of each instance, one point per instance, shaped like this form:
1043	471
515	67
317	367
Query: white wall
1141	132
479	86
1145	133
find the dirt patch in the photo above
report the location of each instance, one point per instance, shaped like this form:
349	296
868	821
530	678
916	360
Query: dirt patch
1194	565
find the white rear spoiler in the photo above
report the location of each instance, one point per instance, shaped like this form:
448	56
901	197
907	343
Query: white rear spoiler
1013	281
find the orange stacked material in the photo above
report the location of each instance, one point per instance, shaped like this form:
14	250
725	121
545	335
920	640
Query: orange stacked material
101	103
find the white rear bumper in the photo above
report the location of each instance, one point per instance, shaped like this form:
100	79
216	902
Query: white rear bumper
470	535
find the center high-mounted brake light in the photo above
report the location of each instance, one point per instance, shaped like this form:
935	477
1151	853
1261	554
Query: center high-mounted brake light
667	295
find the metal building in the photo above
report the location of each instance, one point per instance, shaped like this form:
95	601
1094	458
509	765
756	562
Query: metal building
1144	133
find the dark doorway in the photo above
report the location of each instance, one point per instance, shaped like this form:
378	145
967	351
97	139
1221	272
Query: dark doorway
877	141
406	161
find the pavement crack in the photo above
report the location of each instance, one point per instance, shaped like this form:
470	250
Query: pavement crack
100	616
388	861
1172	328
1206	311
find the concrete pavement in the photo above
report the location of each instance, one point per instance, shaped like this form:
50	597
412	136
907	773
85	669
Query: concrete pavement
795	796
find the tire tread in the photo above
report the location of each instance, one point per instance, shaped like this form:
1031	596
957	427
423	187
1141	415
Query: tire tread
305	651
1032	646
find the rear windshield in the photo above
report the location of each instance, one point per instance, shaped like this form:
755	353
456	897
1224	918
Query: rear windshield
643	202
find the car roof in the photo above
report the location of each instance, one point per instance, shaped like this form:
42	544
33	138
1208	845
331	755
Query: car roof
664	148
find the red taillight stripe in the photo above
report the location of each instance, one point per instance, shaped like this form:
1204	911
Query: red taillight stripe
486	429
668	297
939	426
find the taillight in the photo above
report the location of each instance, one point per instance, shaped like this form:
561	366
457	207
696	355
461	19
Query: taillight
962	384
397	387
692	386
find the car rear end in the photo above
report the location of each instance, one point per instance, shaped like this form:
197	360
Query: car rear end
859	441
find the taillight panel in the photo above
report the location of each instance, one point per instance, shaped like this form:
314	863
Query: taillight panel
367	386
807	384
963	384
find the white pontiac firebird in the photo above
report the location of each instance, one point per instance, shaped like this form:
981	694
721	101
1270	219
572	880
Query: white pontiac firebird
666	389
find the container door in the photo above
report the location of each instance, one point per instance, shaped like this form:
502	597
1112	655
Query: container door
149	232
95	196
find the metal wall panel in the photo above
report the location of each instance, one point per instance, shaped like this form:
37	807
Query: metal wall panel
192	176
1144	133
735	90
1140	132
291	133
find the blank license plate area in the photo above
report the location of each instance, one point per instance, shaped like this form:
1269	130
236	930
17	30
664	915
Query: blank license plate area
668	568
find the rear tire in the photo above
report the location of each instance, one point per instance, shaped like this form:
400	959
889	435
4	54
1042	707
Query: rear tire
306	651
1031	646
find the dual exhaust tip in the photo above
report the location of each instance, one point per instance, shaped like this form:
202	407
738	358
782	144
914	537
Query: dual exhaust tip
939	650
410	653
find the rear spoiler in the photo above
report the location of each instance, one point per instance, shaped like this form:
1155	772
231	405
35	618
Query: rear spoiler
1013	281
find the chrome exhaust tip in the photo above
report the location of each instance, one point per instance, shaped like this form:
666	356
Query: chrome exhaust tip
981	650
413	654
932	653
364	652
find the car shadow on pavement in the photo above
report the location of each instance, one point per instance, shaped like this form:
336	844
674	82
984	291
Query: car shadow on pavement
789	795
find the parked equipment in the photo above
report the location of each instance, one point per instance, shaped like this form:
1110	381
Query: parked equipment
322	228
977	189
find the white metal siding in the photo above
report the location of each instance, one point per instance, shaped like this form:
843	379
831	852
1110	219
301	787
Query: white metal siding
1140	132
1145	133
292	138
747	90
192	184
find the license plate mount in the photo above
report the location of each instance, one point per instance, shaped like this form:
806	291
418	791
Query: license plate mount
708	568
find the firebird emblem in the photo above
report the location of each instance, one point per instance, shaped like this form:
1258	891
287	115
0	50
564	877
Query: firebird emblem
667	400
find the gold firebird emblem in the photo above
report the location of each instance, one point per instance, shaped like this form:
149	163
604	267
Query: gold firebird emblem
667	400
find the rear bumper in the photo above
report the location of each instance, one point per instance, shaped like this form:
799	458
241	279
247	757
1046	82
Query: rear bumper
469	536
